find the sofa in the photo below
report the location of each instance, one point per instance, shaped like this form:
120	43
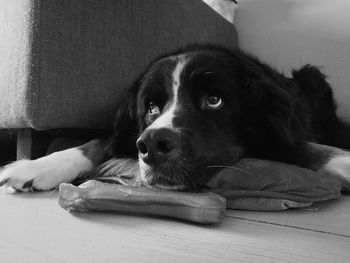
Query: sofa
65	63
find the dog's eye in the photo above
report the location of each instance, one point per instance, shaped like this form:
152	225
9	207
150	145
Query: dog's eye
153	108
213	102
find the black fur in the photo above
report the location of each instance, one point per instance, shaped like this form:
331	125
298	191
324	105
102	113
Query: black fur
271	117
126	130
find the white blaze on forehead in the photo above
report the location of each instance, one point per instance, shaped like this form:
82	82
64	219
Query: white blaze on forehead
166	119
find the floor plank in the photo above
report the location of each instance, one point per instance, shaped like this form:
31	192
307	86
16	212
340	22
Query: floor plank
36	229
330	217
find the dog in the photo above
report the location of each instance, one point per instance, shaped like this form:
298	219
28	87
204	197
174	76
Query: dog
197	110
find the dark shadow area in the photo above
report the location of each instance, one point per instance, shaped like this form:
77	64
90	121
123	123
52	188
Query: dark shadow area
7	146
46	142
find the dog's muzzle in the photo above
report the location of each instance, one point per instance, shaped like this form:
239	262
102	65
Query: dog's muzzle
157	146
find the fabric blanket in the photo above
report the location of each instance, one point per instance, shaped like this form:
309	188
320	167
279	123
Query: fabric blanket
253	184
250	184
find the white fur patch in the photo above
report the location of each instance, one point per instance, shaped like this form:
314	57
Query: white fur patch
143	168
166	119
145	179
339	166
47	172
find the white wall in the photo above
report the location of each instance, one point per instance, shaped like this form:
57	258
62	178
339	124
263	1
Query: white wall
289	33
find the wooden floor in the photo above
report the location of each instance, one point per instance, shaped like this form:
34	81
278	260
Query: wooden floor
34	228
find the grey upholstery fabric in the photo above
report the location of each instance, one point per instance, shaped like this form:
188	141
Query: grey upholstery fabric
16	31
64	63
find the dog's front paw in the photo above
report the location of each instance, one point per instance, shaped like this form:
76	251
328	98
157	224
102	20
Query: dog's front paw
45	173
27	175
20	175
339	166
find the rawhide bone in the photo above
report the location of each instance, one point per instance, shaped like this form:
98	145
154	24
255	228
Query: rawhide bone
204	208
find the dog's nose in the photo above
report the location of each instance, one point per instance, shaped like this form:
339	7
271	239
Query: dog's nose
158	145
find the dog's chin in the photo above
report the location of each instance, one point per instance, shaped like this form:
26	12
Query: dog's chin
155	178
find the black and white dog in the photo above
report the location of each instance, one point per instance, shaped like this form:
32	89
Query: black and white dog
201	108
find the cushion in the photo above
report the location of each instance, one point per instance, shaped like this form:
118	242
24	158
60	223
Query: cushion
254	184
250	184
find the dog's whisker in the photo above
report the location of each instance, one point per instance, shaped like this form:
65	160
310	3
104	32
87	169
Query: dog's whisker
175	176
190	179
188	175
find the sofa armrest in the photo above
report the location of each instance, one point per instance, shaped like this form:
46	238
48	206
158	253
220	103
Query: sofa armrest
17	23
67	61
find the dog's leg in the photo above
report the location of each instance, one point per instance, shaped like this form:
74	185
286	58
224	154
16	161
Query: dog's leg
49	172
331	160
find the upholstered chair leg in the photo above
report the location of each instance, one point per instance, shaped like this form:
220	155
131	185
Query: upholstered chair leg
32	144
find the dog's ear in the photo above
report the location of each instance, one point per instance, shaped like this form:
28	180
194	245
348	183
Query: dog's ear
269	124
126	127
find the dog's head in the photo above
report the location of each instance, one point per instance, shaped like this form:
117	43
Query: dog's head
196	111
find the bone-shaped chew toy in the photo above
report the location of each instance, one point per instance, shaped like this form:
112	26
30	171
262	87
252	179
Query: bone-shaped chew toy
204	208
